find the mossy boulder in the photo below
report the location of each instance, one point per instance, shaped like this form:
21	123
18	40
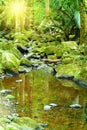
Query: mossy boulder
25	61
51	49
69	69
6	45
10	62
72	45
46	69
26	123
59	51
15	51
10	97
67	47
67	60
10	47
52	56
19	123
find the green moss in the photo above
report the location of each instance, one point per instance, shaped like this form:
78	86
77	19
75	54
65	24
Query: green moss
52	57
69	69
25	61
19	123
10	62
50	49
11	97
26	122
67	60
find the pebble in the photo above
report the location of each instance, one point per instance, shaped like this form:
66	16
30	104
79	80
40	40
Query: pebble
44	125
53	105
18	81
76	106
47	107
4	92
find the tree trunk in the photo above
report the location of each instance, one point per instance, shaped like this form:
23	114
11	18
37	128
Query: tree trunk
83	29
47	7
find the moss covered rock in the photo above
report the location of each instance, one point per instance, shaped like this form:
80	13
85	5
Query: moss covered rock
69	69
10	62
50	49
67	60
26	122
70	45
19	123
25	61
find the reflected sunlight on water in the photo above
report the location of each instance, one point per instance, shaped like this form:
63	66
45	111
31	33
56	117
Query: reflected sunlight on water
37	89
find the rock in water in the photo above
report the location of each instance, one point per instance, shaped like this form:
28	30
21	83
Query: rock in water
18	81
22	50
53	105
75	106
47	107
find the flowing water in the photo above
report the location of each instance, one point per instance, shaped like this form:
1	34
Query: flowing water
35	90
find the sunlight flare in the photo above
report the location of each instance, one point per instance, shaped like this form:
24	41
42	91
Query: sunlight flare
18	8
18	11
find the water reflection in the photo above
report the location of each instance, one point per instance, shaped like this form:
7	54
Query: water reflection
35	90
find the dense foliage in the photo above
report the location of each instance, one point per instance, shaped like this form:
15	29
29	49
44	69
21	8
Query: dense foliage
63	15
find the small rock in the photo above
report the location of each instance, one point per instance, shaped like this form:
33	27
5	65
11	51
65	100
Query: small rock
5	91
10	97
16	103
76	106
44	125
53	105
47	107
15	115
18	81
2	76
22	110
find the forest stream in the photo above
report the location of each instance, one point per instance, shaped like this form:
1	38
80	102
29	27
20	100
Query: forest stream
45	99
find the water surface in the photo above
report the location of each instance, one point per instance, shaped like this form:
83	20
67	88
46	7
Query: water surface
35	90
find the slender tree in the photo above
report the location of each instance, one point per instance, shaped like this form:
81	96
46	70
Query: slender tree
47	7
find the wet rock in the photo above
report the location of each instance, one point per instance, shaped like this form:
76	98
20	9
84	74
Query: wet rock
11	117
2	76
10	97
70	45
25	62
68	77
53	105
19	80
51	49
24	69
44	125
16	103
19	123
45	68
71	69
67	60
10	62
27	123
22	50
80	82
75	106
3	92
47	107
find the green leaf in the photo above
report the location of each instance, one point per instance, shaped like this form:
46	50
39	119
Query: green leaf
77	18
